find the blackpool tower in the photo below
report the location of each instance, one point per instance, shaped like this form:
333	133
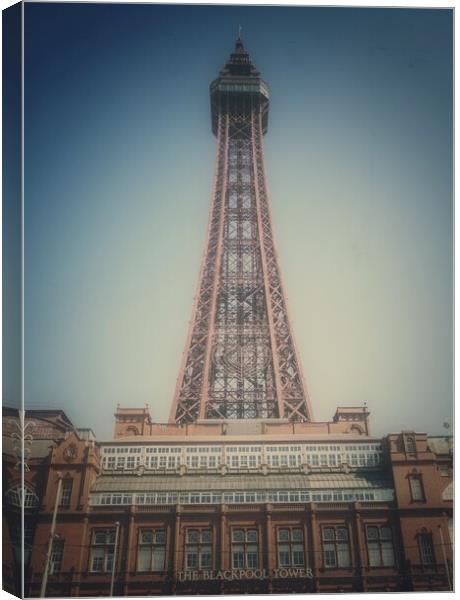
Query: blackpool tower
240	360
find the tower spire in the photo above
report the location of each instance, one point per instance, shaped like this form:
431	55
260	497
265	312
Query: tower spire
239	47
240	361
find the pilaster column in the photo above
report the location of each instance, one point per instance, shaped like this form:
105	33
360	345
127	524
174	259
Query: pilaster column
175	549
271	551
83	548
359	556
132	554
225	547
315	553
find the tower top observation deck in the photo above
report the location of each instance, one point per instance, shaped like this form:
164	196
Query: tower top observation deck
239	88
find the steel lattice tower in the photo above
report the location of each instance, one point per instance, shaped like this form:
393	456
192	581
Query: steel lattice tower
240	361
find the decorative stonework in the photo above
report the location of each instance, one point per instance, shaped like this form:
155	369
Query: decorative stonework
70	453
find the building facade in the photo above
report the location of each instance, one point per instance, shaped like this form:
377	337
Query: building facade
241	491
214	508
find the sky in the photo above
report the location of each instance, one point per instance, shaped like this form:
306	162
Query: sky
119	159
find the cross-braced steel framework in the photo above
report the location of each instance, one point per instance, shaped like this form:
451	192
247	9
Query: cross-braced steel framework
240	360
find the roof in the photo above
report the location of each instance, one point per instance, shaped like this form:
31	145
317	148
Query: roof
50	414
134	483
285	438
239	63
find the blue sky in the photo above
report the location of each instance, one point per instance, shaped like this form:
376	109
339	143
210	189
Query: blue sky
119	158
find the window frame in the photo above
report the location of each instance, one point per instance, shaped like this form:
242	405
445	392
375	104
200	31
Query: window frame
66	493
423	537
153	546
107	548
22	496
380	542
290	543
410	444
245	545
338	546
416	477
56	551
203	548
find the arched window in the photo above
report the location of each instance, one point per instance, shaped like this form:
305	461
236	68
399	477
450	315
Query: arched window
14	497
426	548
66	492
132	430
417	491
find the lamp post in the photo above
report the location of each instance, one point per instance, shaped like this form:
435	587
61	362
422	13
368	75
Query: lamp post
51	538
112	579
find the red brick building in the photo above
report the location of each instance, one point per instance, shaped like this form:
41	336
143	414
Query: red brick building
222	507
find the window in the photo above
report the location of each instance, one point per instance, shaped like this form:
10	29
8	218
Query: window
253	461
14	497
426	548
290	547
151	552
245	549
198	549
416	488
380	546
410	444
66	492
102	549
56	556
314	458
192	462
336	547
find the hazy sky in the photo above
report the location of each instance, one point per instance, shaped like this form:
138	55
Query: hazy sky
119	158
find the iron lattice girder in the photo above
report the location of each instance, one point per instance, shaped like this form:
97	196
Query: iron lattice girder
240	360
